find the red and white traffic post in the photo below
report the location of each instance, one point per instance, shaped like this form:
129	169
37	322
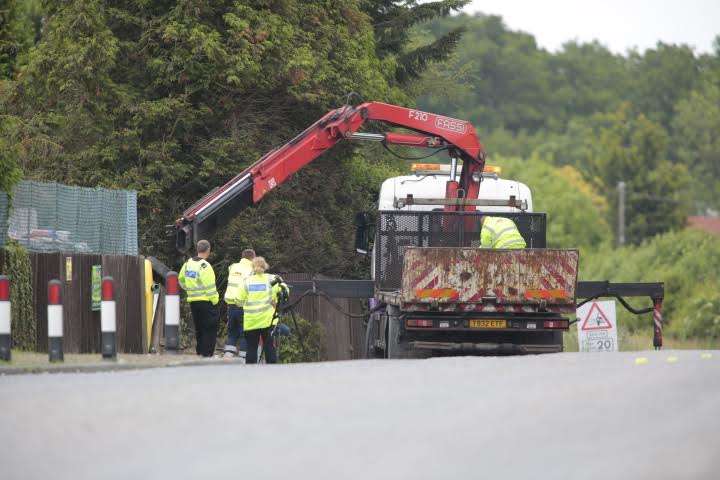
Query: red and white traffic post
172	312
55	321
657	323
5	319
108	324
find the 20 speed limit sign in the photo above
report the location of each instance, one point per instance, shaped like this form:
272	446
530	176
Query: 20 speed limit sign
597	327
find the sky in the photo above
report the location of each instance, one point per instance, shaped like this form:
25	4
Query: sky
617	24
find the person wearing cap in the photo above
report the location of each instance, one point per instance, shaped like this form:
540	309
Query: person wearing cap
236	276
258	295
500	232
197	278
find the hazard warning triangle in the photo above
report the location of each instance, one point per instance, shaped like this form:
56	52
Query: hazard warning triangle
596	319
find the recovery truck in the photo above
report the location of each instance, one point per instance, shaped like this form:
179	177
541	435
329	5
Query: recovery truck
433	290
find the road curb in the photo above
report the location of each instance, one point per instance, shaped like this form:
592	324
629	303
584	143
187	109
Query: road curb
111	367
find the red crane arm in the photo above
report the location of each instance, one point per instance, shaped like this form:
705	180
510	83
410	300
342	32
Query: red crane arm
279	164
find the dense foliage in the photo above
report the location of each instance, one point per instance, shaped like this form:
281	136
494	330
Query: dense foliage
172	98
688	262
576	212
305	344
649	119
15	263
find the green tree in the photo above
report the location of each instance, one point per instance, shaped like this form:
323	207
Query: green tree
587	78
696	141
632	148
496	78
9	45
20	29
662	77
393	21
173	98
560	192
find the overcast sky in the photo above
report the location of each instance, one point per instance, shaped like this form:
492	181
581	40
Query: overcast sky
618	24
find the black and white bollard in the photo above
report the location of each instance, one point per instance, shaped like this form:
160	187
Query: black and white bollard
5	319
55	321
108	325
172	312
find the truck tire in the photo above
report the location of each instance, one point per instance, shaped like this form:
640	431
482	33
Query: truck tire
550	338
395	348
372	334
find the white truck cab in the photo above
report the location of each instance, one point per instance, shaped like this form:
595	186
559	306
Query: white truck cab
429	180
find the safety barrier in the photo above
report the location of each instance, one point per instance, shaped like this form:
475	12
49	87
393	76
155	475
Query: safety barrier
55	321
108	322
5	319
172	313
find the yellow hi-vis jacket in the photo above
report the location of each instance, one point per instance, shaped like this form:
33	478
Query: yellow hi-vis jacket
197	278
258	300
236	274
500	232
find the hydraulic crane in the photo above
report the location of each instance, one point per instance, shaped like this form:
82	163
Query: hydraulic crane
433	131
501	301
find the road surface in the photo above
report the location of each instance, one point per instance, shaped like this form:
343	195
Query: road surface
579	416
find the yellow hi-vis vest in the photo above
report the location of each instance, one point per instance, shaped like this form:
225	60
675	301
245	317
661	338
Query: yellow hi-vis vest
256	296
197	278
236	274
500	232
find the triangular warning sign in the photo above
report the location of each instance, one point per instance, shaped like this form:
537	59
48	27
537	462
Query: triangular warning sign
596	319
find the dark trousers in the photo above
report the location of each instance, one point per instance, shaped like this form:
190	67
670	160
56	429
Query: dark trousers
253	340
205	318
235	330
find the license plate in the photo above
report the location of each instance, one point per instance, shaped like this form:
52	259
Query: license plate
488	323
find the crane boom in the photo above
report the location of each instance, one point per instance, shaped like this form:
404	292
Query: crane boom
278	165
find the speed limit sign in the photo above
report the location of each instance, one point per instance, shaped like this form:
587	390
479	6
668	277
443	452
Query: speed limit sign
597	327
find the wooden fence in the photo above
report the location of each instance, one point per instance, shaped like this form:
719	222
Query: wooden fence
343	336
81	324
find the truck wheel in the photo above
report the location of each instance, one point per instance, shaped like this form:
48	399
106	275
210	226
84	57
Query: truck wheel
550	338
558	339
371	337
395	348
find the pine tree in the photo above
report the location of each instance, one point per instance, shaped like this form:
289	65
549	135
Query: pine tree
392	21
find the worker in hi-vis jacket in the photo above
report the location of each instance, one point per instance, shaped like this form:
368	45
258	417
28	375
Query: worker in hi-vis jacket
197	278
237	273
500	232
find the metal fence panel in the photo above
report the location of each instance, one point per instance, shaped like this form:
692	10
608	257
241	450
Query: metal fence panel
397	230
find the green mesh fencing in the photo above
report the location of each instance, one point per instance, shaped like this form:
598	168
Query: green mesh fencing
49	217
3	217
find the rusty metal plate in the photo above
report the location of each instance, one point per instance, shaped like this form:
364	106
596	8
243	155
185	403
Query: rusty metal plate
499	277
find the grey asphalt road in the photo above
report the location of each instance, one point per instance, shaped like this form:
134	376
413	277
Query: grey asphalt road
579	416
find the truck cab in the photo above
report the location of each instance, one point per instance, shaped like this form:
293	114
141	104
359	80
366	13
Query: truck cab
429	180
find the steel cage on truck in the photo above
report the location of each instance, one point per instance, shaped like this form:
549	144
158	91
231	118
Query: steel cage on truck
397	230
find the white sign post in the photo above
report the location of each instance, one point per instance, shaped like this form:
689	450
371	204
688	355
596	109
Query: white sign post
597	327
